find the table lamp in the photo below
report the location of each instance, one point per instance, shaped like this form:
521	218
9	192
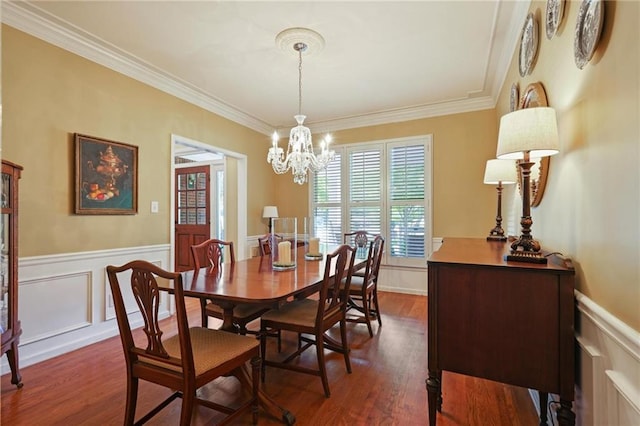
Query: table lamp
525	134
269	212
499	172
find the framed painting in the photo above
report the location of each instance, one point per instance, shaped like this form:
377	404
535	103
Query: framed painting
106	176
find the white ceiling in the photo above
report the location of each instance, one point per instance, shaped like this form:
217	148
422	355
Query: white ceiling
383	61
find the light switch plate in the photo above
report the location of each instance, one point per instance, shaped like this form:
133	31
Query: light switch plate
154	207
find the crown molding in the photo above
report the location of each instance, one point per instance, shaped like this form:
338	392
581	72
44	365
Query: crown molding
32	20
38	23
404	114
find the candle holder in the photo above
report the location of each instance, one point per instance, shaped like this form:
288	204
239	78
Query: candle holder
312	243
284	249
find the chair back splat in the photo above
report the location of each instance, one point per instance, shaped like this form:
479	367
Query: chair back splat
266	243
182	362
359	240
210	253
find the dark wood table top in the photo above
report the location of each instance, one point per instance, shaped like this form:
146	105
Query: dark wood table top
255	281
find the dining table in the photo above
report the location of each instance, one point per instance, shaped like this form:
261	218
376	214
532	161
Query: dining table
254	280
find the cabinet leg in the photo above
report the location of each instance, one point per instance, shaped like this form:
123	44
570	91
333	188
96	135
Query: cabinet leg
434	396
12	357
565	415
543	397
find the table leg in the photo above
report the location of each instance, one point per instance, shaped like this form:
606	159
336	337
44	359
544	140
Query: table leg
543	397
434	395
565	415
227	317
268	404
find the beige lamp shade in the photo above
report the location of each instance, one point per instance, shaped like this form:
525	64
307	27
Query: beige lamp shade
532	130
497	171
269	211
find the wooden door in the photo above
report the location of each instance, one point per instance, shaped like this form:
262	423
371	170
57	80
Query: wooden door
193	212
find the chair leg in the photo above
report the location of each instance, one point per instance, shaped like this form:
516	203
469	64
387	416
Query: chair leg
345	344
255	377
188	399
132	398
377	307
203	312
263	350
366	304
321	365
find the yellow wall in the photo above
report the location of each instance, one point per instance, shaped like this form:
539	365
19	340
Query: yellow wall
590	210
48	94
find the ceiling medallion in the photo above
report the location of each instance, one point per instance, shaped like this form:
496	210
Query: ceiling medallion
286	41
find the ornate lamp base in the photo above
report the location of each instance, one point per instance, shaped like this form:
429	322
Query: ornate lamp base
497	234
526	256
526	249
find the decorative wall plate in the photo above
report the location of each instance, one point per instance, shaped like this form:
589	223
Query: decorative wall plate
553	17
588	27
515	97
528	45
535	96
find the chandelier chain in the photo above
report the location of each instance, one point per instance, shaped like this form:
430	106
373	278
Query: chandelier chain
300	49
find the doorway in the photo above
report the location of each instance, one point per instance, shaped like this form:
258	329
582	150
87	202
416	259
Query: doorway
227	197
193	212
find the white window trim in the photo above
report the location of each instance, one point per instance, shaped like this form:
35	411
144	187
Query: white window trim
344	150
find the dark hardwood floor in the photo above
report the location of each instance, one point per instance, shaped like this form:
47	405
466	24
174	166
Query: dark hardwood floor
387	386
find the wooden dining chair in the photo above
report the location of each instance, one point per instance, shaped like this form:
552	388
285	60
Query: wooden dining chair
182	362
363	296
358	239
311	318
210	254
266	243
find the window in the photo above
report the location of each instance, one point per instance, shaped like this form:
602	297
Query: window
380	187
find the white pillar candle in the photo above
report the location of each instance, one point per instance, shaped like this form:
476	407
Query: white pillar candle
314	246
284	252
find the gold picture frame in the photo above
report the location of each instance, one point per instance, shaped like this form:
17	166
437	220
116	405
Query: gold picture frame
106	176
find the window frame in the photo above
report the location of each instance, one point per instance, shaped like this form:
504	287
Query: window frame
345	203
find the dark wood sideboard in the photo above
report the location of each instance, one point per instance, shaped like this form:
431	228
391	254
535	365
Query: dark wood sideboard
510	322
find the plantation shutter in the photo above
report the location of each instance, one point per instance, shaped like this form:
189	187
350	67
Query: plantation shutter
407	201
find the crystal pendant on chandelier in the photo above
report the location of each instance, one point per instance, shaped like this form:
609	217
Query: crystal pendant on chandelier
300	156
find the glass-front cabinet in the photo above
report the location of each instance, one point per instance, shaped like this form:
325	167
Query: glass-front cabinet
9	323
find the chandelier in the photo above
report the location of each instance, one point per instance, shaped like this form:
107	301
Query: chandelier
300	156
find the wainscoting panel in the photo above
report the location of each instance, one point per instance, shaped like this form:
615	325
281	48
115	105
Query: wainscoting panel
63	302
45	314
608	377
